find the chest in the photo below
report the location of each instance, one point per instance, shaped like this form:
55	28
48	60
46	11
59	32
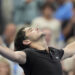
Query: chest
46	60
46	63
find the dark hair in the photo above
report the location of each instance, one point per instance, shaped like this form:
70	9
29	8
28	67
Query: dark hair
19	40
50	5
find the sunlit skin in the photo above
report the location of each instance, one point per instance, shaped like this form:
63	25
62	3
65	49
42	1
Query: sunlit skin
36	38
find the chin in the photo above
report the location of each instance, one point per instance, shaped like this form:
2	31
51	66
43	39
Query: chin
42	35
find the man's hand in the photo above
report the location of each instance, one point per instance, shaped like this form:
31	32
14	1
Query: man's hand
68	64
69	50
18	56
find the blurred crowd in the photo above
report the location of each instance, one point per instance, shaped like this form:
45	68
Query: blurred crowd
56	18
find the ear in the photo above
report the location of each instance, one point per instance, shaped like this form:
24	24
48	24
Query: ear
26	42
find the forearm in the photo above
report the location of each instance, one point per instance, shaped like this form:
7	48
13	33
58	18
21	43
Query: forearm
18	56
69	50
9	54
68	64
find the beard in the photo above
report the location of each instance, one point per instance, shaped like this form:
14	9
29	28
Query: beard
40	37
37	38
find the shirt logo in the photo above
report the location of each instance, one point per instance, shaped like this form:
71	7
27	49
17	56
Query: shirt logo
57	57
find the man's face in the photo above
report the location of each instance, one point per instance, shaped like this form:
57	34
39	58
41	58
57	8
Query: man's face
33	34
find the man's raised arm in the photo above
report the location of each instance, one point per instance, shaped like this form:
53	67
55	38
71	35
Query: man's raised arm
69	50
16	56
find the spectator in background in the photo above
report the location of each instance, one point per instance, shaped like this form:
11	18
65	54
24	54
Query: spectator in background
53	2
26	10
9	35
47	20
68	28
64	12
4	67
7	10
73	1
72	38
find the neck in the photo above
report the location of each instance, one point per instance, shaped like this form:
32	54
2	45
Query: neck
40	45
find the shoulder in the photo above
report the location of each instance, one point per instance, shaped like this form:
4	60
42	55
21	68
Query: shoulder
54	49
30	52
31	55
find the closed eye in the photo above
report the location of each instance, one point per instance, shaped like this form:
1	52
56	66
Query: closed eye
30	29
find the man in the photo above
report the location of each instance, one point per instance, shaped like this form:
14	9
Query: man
33	54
